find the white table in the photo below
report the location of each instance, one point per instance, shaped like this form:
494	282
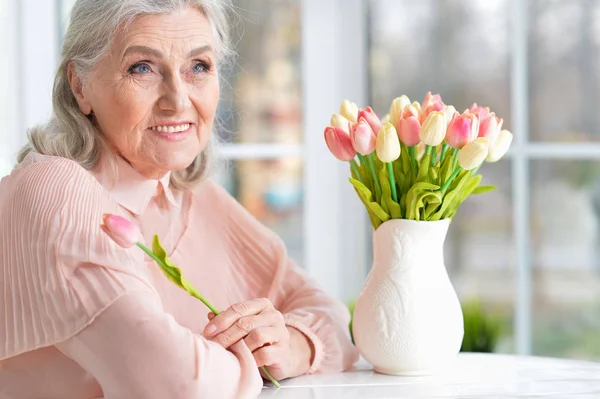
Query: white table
470	376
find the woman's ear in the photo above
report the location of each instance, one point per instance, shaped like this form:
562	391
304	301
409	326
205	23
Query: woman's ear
77	87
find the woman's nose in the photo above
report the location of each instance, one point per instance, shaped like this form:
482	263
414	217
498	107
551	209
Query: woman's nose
175	97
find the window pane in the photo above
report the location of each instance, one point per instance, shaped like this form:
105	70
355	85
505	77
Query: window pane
459	49
565	241
479	251
8	109
272	191
564	70
262	98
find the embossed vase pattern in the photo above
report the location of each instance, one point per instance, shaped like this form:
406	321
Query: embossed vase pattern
408	319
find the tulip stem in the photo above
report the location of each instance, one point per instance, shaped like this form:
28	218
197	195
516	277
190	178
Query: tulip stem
433	155
392	181
371	165
450	179
412	151
455	155
474	171
427	149
201	298
444	150
170	272
355	170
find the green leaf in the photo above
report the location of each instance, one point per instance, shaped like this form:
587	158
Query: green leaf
446	169
484	189
413	196
465	191
365	176
429	210
172	272
423	175
392	206
425	198
462	176
379	215
405	160
433	174
449	198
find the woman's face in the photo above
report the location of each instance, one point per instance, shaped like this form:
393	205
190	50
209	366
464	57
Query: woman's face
155	95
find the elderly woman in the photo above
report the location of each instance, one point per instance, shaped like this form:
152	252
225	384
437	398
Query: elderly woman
134	100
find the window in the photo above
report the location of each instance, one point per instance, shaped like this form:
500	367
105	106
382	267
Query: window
8	98
528	251
261	111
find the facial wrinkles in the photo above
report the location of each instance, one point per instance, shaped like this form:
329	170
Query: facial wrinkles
144	99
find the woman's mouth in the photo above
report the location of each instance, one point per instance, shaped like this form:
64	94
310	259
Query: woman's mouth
172	132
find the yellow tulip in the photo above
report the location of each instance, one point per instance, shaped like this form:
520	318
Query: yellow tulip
341	122
388	144
397	108
349	110
473	153
500	146
449	112
433	129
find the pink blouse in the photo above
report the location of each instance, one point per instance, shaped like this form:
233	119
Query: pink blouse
82	318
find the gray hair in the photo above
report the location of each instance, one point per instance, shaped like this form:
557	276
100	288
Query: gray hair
91	32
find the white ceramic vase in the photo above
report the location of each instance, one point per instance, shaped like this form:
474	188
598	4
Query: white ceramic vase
408	319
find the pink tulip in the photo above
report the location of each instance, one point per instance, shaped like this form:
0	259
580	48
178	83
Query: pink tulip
408	132
478	110
120	230
339	143
490	127
363	138
434	107
430	100
372	119
462	130
413	109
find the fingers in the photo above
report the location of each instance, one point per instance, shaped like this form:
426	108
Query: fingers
268	355
246	325
263	336
227	318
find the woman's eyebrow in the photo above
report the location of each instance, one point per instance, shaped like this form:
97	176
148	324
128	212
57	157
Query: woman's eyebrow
141	49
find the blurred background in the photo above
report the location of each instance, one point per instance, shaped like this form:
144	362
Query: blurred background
525	259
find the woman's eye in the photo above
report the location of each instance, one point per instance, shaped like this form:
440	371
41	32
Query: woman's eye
140	67
201	67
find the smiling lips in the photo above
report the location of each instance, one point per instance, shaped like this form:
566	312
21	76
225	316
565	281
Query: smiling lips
172	132
171	128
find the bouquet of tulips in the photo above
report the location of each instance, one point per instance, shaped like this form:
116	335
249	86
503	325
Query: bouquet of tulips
420	161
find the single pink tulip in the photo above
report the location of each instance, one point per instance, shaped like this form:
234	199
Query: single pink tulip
462	129
409	131
372	119
120	230
429	100
412	110
490	127
436	106
339	143
478	110
363	138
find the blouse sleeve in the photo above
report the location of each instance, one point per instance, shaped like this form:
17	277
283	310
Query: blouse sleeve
135	350
271	273
64	283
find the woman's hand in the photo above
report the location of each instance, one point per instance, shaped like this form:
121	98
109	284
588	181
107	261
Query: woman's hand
284	350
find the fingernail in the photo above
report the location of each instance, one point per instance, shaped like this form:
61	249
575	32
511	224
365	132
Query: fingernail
210	329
